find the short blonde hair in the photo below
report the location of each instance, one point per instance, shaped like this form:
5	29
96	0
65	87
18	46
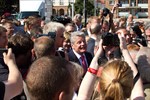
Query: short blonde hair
67	36
131	47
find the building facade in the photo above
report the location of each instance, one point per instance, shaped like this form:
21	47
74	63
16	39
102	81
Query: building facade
62	7
138	8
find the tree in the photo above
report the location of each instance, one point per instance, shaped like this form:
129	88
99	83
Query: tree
79	7
6	5
2	6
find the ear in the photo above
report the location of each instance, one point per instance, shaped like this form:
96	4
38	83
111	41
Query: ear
33	54
72	46
61	96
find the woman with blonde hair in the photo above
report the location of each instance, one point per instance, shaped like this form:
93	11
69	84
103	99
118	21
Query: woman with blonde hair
119	80
66	42
116	81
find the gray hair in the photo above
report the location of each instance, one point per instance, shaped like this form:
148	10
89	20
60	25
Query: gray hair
76	34
147	26
52	27
143	63
95	28
78	17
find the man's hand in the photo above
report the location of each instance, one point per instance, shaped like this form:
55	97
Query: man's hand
9	57
123	44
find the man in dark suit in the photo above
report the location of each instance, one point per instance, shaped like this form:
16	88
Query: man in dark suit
95	37
78	53
77	20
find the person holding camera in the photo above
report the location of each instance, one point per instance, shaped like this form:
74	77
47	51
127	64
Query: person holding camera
126	33
136	35
120	79
14	84
108	26
105	24
110	46
3	44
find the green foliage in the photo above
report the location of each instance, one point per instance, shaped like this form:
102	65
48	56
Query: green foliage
89	6
6	5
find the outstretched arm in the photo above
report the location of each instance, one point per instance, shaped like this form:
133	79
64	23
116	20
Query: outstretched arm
137	91
87	85
14	84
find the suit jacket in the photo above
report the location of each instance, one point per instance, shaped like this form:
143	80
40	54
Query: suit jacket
78	28
73	57
3	70
90	46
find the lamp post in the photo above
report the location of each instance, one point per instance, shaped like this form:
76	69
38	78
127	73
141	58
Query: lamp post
72	7
95	7
48	9
85	11
69	10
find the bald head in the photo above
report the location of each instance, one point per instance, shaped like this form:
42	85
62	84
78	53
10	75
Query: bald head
95	28
44	46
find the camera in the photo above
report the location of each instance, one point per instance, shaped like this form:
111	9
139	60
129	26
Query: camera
2	50
138	40
110	39
50	34
106	11
102	60
63	20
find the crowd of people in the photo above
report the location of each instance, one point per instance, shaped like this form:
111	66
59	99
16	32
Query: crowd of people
106	59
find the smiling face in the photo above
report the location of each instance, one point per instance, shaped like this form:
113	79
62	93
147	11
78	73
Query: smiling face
67	45
79	45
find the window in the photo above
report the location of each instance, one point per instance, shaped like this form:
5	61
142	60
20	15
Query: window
140	1
143	1
143	10
126	1
61	2
111	2
71	1
123	10
53	1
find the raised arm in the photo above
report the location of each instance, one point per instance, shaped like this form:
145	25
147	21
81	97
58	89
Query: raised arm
87	85
137	92
14	84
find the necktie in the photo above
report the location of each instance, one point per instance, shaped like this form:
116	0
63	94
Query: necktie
84	63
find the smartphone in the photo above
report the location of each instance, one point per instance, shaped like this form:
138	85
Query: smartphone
2	50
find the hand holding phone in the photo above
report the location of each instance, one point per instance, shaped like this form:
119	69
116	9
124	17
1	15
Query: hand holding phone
2	50
9	57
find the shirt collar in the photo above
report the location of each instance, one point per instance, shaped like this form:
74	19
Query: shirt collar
77	54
